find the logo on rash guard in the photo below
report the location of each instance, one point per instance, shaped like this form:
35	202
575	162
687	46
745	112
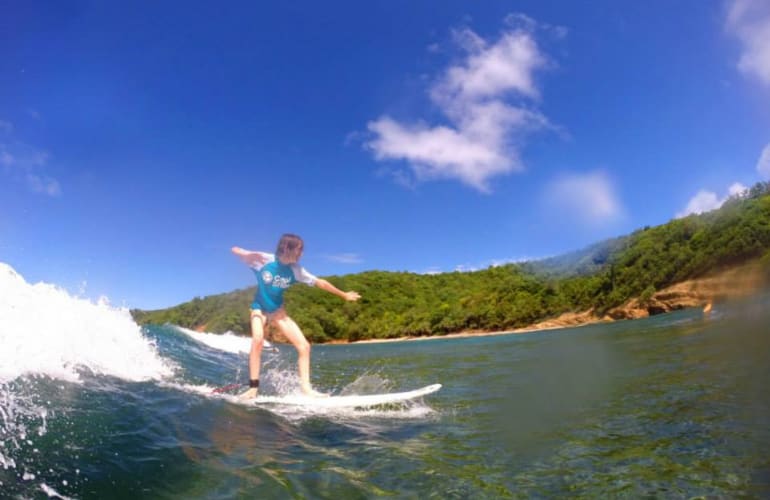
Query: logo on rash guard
281	282
267	277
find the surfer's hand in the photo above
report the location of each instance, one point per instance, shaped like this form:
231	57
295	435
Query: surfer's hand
352	296
249	394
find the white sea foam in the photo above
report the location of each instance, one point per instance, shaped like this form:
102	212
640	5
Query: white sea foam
46	331
406	410
52	493
228	342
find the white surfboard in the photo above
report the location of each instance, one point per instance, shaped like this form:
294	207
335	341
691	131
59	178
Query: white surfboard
347	401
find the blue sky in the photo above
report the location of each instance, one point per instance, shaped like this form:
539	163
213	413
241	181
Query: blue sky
139	141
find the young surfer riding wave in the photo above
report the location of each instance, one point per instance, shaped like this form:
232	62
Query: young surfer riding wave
276	273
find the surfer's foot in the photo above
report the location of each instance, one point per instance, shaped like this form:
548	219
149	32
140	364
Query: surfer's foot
251	393
307	391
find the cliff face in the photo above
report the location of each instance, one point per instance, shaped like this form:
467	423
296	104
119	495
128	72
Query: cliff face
731	284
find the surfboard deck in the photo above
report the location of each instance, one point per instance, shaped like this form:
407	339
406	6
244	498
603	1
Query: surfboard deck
351	401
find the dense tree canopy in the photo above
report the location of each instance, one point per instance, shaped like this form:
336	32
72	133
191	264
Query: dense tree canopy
396	304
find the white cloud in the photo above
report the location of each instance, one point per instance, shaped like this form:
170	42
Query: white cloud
459	268
706	201
345	258
737	189
492	70
588	197
749	21
469	268
511	260
27	165
6	159
43	184
763	164
526	22
484	130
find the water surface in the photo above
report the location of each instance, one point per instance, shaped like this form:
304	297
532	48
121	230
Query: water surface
673	406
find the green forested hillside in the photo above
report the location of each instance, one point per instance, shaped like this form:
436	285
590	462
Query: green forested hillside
396	304
583	262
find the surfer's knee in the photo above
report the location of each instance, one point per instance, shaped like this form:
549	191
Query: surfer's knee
258	321
257	336
303	347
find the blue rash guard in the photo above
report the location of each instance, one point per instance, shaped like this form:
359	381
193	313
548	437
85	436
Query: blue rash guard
273	278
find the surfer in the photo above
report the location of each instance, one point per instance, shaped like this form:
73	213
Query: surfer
275	273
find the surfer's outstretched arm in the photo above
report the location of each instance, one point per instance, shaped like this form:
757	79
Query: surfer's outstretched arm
328	287
250	257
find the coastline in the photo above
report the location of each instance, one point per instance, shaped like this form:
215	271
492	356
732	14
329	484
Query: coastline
458	335
566	320
729	284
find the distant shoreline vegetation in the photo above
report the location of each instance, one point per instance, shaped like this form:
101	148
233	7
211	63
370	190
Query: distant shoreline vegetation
599	278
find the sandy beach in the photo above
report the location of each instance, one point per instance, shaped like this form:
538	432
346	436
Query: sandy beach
567	320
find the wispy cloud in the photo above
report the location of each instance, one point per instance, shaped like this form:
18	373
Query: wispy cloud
749	21
763	164
484	129
705	201
468	268
345	258
6	159
588	198
459	268
25	164
511	260
43	184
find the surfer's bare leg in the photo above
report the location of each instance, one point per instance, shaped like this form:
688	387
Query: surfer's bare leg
291	331
258	321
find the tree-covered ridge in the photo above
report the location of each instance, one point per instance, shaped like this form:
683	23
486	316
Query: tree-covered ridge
583	262
396	304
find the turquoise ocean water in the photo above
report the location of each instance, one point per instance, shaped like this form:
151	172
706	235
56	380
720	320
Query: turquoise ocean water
92	406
